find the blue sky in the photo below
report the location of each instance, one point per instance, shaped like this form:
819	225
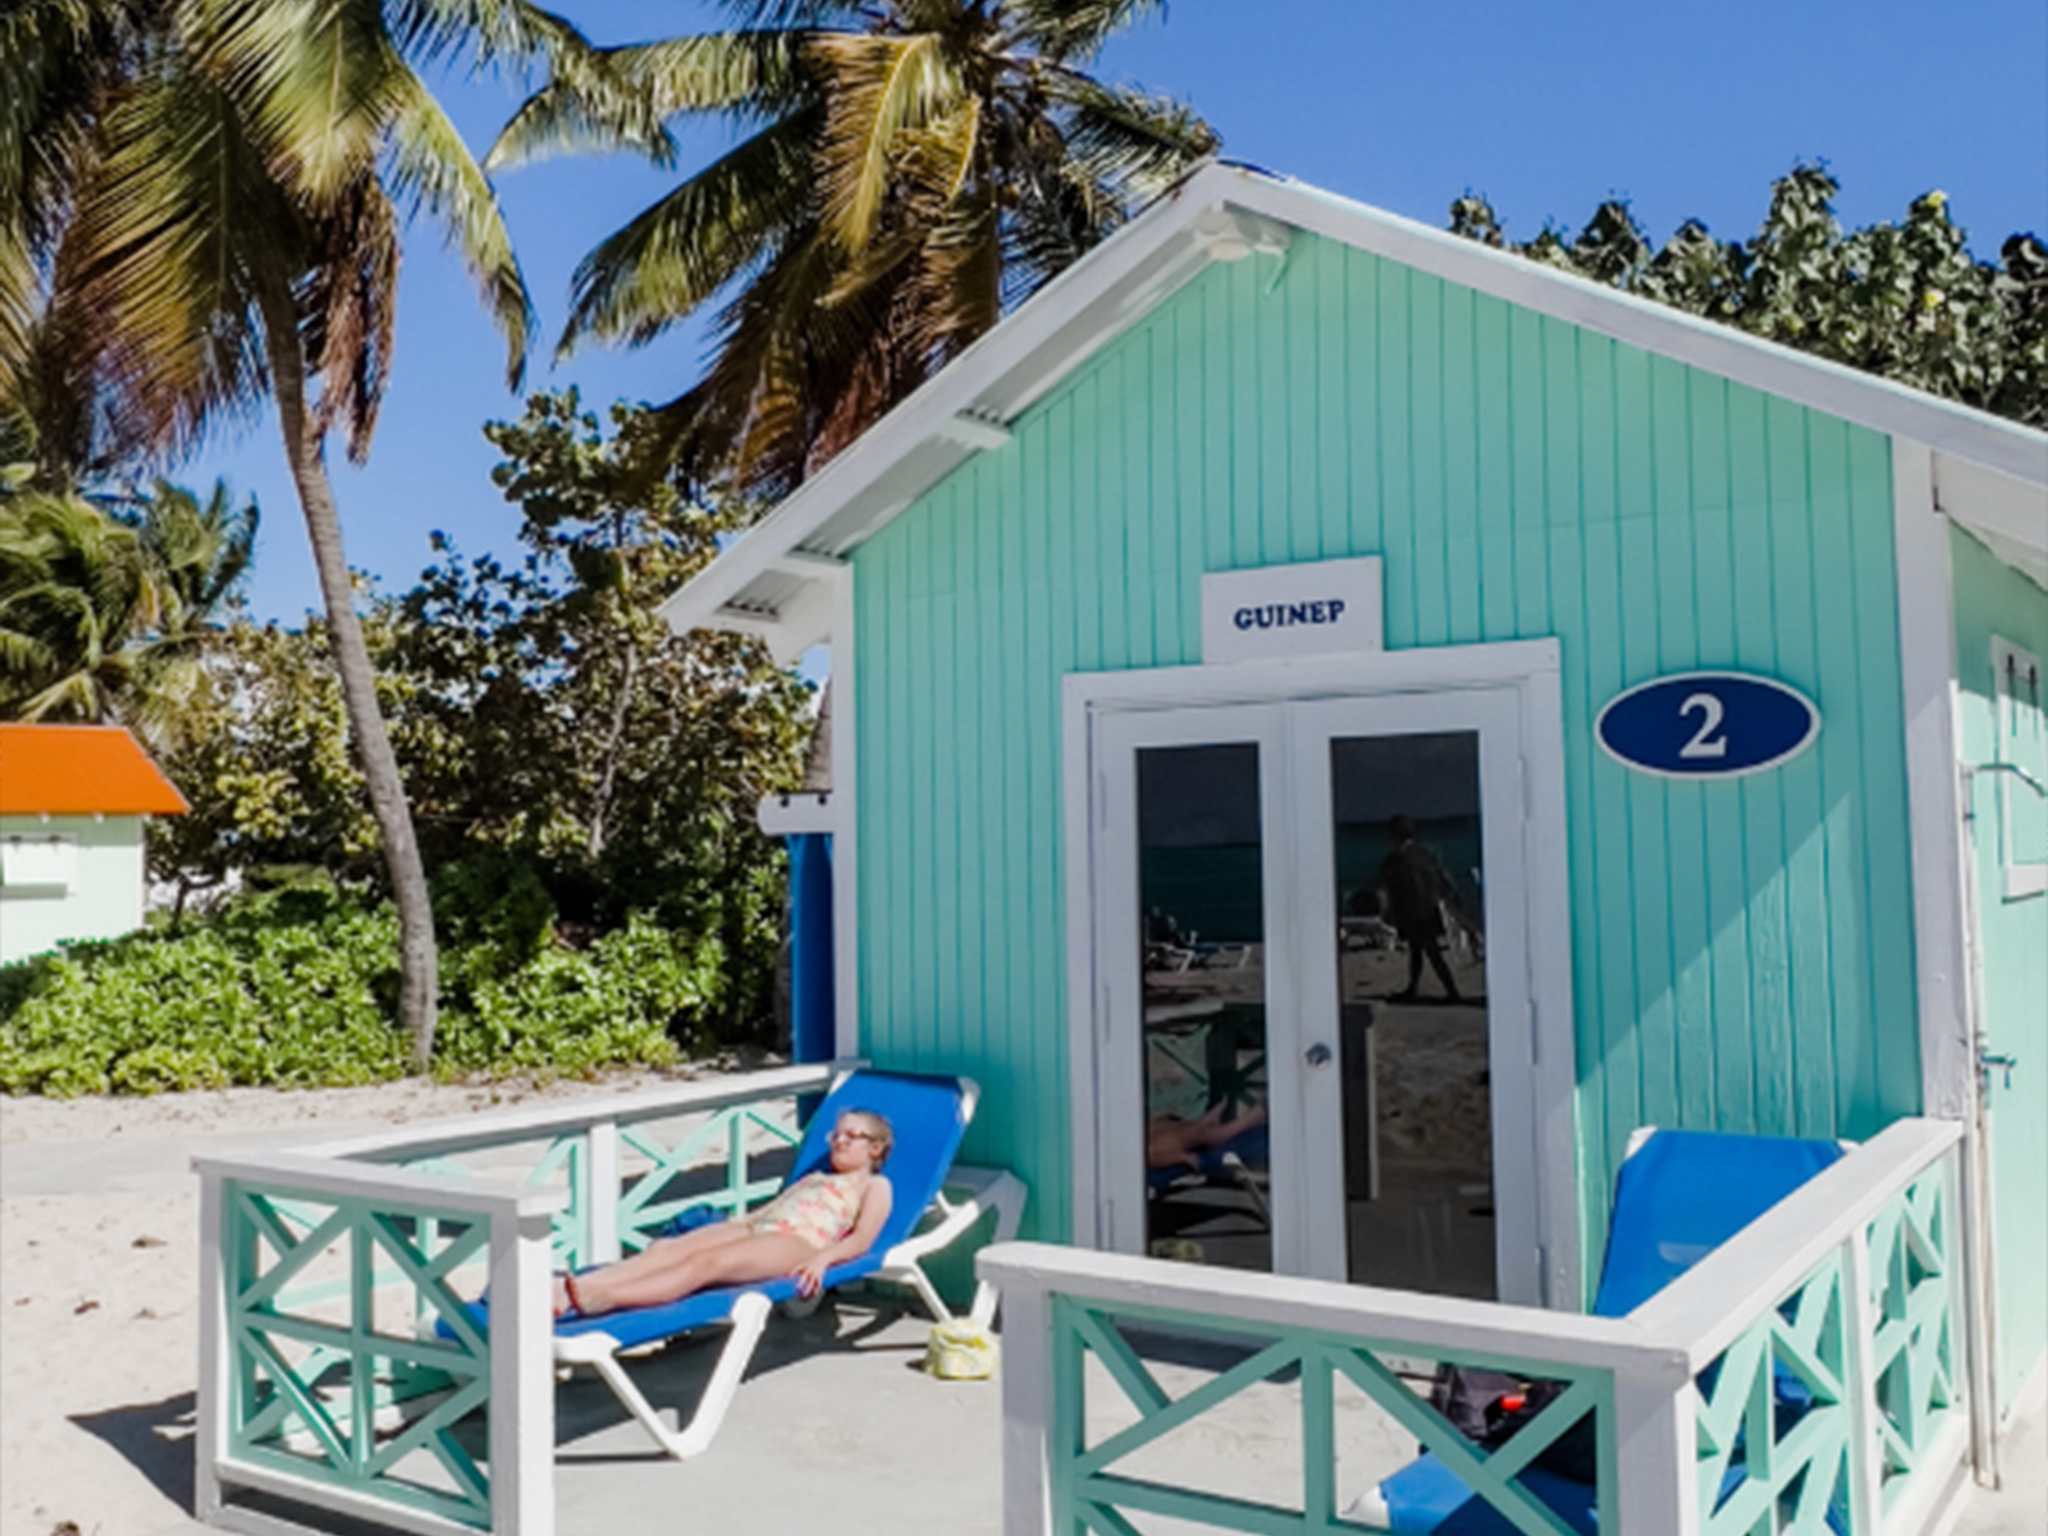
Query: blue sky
1545	109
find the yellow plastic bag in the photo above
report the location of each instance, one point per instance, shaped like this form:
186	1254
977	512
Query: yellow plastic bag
960	1351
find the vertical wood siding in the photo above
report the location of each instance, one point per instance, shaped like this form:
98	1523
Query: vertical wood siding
1742	951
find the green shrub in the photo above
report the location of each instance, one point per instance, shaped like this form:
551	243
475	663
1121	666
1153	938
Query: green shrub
296	989
573	1012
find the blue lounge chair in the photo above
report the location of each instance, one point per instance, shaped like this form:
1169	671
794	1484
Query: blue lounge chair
929	1115
1678	1197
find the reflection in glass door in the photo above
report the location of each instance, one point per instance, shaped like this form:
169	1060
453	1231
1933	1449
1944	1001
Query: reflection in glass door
1407	845
1310	960
1202	935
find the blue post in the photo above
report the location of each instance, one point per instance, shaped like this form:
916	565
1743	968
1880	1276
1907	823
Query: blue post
812	1024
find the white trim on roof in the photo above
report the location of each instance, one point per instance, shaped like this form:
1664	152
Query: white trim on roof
1994	471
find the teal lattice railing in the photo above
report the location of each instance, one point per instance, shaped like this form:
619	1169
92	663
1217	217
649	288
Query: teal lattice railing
342	1369
1825	1412
1774	1419
1914	1345
1801	1380
1091	1493
648	1201
282	1412
627	1174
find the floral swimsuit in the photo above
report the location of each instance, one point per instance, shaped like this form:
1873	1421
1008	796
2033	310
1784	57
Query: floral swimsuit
820	1208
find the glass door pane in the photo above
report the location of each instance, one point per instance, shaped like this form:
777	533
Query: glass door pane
1409	860
1202	928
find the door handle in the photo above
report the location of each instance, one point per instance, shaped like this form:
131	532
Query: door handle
1988	1064
1317	1055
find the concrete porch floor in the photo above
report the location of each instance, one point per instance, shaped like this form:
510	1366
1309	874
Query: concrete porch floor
837	1428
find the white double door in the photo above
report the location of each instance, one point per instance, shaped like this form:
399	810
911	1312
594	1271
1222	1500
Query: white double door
1312	987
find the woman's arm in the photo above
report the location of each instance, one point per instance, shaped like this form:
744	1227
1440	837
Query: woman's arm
875	1203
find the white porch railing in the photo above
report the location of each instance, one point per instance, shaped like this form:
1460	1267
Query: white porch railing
340	1367
1847	1288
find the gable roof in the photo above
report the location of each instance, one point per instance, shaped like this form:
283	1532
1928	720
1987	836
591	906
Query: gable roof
1990	474
80	770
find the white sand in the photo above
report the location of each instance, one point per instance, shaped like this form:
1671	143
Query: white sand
99	1217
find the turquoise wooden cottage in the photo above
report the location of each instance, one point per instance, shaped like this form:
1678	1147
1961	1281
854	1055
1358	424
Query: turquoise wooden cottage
1294	615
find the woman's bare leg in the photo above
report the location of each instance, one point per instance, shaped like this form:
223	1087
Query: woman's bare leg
654	1277
644	1269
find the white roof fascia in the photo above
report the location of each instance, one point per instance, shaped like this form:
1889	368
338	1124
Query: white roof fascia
1838	390
1012	366
967	406
2008	515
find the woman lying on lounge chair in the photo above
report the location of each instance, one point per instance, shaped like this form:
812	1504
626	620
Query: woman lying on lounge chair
821	1220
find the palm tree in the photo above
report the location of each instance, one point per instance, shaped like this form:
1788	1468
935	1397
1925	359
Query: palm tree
914	169
228	177
105	612
75	589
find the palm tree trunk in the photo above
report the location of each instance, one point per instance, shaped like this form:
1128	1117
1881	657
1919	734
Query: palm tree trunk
418	963
615	735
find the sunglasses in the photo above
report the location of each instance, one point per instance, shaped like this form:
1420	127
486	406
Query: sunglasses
854	1136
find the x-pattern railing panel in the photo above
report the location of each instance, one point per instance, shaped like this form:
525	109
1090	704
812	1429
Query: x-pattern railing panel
306	1388
645	1207
563	1159
1913	1350
1091	1495
1774	1422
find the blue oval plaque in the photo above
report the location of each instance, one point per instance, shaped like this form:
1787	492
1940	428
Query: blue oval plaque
1707	725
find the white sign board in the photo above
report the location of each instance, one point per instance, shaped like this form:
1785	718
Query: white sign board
1317	608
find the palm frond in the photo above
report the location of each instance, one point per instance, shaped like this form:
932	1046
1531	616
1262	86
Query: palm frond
679	253
956	291
558	120
793	13
509	30
882	88
176	231
749	420
56	57
1075	30
197	552
430	163
56	399
935	162
348	312
1135	144
621	98
18	303
53	61
316	82
73	586
938	163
